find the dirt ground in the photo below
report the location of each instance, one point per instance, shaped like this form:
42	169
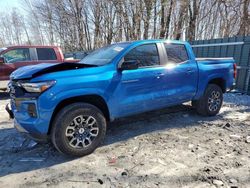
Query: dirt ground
173	147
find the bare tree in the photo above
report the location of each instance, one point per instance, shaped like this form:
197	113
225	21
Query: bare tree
148	7
89	24
193	7
181	18
245	19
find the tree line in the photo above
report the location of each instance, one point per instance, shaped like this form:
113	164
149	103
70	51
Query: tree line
89	24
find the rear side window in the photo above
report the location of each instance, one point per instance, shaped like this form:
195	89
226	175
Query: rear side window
177	53
46	54
146	55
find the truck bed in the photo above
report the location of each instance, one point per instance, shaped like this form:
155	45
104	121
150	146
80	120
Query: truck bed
213	59
214	68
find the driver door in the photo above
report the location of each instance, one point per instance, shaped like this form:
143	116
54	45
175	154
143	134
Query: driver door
139	90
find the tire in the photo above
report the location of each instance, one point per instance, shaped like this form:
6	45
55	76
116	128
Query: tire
194	104
78	129
210	103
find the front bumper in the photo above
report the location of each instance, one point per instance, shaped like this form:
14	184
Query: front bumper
27	125
8	109
33	136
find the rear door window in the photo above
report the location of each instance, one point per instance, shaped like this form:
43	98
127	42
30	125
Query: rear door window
46	54
146	55
176	53
17	55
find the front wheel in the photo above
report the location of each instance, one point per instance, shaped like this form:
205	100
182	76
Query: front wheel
78	129
211	102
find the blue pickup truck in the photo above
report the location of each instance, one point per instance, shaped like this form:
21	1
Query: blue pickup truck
70	104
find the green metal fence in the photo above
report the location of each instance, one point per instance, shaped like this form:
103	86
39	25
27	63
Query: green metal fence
236	47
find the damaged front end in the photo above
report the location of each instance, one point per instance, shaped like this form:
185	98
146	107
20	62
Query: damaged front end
20	88
30	88
12	91
9	111
23	109
29	72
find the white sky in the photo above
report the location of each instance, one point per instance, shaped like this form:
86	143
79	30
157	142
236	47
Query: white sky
7	5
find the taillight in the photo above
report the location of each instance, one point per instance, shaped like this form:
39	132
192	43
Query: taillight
235	70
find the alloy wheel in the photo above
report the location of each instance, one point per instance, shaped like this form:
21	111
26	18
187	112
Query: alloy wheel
82	131
214	101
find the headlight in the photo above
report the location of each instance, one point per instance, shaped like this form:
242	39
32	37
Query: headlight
38	87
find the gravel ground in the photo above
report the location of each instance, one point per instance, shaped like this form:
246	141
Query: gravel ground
173	147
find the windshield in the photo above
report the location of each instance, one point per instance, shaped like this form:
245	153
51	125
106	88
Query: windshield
104	55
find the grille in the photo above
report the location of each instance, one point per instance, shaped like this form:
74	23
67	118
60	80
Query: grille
15	89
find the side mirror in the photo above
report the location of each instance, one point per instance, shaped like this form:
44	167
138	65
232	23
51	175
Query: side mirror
129	65
2	60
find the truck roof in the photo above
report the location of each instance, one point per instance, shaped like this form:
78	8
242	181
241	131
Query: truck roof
32	46
156	40
136	41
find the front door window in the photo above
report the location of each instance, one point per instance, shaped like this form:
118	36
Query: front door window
17	55
146	55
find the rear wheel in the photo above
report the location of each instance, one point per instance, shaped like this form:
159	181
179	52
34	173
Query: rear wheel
211	102
78	129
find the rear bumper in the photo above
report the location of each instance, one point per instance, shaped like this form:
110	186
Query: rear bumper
231	88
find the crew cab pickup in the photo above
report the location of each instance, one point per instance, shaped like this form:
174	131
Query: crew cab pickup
13	57
71	103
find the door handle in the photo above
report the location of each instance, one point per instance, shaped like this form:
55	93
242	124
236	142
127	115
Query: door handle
190	71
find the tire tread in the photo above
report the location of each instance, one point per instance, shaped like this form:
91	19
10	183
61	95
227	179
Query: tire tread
201	104
58	121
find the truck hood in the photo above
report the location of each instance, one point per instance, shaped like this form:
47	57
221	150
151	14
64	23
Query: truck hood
32	71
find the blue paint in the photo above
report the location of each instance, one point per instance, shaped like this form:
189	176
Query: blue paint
125	93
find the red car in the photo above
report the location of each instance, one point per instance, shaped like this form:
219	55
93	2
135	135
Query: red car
14	57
